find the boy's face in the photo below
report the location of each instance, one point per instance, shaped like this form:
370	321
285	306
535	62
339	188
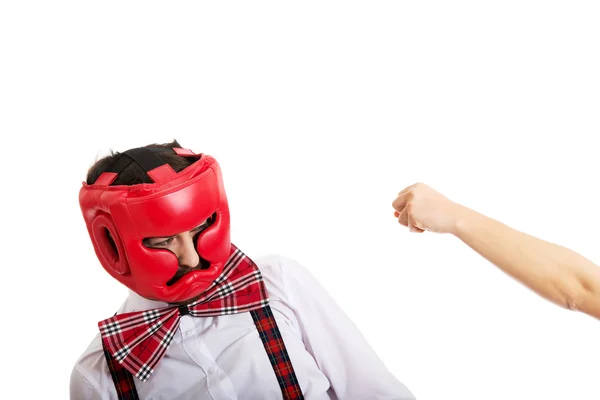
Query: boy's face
183	246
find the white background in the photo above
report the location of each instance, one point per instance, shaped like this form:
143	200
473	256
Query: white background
319	113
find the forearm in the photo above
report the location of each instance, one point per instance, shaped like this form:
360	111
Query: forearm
554	272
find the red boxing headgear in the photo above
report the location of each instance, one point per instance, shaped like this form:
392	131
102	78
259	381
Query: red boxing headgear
174	203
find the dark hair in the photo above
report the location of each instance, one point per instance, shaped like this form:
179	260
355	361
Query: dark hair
133	174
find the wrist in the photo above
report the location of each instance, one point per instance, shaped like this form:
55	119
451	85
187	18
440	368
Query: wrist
462	220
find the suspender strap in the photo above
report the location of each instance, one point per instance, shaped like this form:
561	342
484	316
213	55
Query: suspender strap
122	378
278	355
269	335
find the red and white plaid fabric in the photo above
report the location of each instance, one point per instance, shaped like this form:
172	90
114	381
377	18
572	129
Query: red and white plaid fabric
138	340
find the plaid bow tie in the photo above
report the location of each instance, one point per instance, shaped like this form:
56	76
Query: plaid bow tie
139	340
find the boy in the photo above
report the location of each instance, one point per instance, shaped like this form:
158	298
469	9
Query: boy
203	320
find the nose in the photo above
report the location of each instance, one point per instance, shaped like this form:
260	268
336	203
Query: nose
187	254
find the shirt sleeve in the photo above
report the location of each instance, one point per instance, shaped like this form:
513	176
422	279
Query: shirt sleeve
81	389
341	351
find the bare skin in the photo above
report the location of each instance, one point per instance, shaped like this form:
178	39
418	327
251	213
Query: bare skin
554	272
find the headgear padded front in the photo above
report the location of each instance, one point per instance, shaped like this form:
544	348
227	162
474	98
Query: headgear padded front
120	217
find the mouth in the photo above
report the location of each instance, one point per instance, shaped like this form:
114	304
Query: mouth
182	271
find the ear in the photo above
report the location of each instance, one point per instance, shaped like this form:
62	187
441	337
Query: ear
108	245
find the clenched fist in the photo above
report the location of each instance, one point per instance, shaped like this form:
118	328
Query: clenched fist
420	208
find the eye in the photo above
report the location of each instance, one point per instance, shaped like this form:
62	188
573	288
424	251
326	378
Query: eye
205	224
196	231
199	228
163	243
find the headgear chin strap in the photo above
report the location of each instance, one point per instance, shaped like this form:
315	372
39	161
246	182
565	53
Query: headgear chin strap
119	217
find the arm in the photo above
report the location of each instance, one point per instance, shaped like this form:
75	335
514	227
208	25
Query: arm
556	273
340	350
81	388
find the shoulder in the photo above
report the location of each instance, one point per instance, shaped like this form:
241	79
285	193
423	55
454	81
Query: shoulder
277	264
90	375
284	275
280	267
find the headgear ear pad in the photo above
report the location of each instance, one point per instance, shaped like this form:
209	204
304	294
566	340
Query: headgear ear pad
174	203
109	250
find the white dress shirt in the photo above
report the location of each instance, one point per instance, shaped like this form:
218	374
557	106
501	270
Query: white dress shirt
223	358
